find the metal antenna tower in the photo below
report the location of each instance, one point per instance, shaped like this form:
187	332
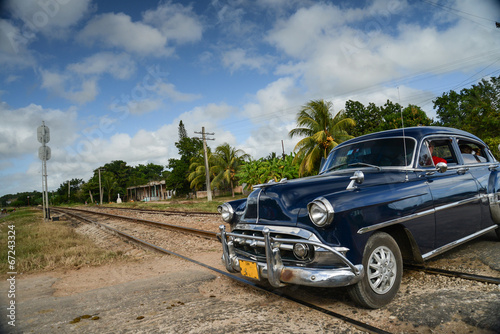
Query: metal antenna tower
44	153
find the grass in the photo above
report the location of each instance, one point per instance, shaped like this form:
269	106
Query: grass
43	246
179	204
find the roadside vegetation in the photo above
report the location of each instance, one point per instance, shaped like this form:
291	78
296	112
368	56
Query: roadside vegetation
318	130
46	245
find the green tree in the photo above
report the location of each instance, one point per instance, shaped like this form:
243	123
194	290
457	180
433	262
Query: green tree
373	118
475	109
110	184
322	132
75	193
252	172
197	175
182	131
367	118
263	170
412	116
227	161
177	175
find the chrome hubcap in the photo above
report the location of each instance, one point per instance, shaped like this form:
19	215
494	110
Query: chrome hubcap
382	270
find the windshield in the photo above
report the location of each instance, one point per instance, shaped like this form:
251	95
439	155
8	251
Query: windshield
387	152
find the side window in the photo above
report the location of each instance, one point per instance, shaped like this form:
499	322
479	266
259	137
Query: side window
424	157
472	152
436	150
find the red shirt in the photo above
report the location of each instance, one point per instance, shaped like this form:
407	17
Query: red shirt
438	159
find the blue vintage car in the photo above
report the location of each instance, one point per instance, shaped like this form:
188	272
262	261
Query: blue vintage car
378	200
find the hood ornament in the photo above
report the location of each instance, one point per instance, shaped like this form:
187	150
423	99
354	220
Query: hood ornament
270	183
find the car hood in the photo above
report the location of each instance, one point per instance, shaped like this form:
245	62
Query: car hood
281	203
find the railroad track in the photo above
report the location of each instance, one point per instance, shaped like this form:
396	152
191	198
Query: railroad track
206	234
128	237
212	235
165	212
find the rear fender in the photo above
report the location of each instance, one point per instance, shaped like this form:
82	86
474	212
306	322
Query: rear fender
494	195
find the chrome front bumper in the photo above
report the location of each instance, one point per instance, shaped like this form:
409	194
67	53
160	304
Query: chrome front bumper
278	274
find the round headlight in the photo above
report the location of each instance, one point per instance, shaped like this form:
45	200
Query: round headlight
321	212
226	211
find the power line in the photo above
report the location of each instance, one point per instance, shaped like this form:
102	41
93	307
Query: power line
458	12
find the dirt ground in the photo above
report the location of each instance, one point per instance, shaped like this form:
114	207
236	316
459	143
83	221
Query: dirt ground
154	293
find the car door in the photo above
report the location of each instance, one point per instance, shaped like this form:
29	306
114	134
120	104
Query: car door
483	167
454	192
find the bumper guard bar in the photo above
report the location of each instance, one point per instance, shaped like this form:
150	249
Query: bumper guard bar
278	274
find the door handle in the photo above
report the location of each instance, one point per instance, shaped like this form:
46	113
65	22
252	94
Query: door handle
462	170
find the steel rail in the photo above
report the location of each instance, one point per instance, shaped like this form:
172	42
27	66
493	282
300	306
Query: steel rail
356	323
451	273
206	234
158	211
213	235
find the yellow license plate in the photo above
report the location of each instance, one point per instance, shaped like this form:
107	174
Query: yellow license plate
249	269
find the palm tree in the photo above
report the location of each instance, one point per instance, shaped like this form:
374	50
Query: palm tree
109	183
197	169
227	161
322	132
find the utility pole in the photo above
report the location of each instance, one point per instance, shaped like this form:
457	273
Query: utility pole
100	188
207	172
69	190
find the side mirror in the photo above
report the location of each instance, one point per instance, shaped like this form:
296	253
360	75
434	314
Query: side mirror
441	167
357	178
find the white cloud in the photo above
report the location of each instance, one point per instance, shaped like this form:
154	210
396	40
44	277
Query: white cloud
18	128
66	86
176	22
165	89
237	59
52	18
118	31
140	107
14	46
344	51
121	66
78	83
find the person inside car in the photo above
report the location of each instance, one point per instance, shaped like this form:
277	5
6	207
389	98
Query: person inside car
435	159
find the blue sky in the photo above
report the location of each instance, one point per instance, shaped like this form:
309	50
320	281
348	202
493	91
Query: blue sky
112	79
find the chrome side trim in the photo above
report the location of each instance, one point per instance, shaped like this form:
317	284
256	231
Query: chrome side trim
417	215
458	242
455	204
395	221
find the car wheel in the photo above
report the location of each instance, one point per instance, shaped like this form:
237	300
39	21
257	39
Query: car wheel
383	267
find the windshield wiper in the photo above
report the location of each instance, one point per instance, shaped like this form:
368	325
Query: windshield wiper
333	167
363	164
